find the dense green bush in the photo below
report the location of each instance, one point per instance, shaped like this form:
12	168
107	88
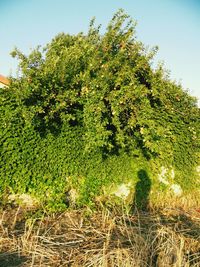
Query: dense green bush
89	110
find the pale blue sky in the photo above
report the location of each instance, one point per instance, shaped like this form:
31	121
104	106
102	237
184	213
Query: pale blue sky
173	25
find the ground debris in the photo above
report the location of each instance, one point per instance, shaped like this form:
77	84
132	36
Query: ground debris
103	238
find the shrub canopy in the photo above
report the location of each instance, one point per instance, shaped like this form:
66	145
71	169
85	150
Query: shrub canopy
93	94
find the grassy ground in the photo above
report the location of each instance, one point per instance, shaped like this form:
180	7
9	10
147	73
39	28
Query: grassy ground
169	237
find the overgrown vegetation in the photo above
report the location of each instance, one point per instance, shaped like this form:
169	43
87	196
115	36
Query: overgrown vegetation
89	111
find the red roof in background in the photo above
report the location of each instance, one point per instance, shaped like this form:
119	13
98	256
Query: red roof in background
4	80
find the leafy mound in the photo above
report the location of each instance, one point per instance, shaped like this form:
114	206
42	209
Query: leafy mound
89	110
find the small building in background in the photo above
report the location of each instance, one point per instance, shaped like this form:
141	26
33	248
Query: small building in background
3	81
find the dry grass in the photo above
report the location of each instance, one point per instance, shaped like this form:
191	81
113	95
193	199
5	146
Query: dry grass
186	202
104	238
